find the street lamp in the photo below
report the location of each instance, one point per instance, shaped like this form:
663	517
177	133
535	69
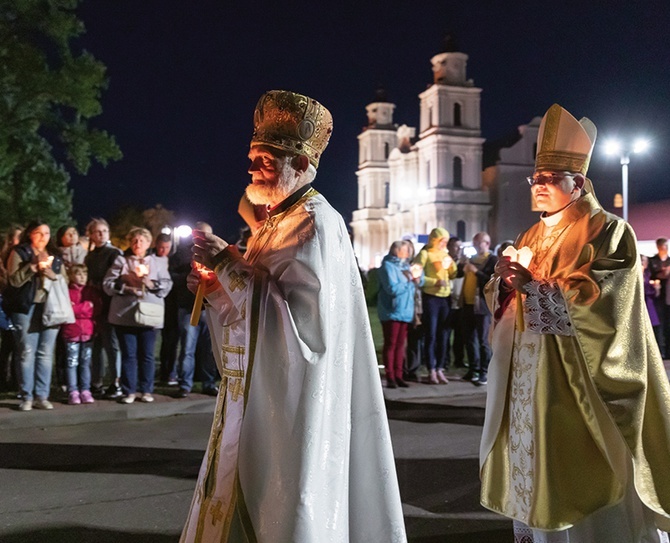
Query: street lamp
614	147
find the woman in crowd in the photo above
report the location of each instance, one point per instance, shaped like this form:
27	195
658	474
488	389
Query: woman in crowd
438	268
8	360
395	305
67	239
32	264
100	257
137	283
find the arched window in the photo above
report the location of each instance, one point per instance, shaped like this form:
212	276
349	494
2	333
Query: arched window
458	173
460	229
387	194
386	149
430	116
457	114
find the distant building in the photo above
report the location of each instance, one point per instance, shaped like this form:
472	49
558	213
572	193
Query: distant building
408	185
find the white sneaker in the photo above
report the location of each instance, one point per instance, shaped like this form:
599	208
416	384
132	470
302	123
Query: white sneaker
43	404
128	399
147	398
26	405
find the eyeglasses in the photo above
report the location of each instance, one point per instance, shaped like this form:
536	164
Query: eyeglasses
547	178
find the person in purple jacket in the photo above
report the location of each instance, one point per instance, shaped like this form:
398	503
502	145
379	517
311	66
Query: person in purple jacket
652	290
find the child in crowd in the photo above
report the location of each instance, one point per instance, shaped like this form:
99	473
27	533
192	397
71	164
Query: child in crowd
67	239
86	303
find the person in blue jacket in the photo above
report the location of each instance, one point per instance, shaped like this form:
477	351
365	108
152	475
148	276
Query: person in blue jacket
395	306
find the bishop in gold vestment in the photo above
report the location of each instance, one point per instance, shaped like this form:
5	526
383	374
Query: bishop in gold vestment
576	441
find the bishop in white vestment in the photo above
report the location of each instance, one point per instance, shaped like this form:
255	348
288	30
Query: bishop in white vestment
300	450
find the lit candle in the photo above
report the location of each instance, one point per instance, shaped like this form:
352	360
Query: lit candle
523	256
44	264
416	270
141	270
199	295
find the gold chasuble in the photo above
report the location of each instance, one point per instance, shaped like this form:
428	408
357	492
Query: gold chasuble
575	419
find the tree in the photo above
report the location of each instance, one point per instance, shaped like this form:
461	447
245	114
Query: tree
130	216
48	94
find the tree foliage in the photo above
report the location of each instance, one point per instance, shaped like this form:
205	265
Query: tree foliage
130	216
48	93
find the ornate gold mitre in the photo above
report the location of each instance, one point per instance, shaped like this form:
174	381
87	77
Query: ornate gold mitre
292	122
563	142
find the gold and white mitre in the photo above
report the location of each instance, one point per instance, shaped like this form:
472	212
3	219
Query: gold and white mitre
563	142
292	122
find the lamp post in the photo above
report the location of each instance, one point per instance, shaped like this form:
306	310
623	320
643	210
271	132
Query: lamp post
614	147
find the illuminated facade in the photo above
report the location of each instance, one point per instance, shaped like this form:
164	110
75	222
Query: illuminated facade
408	185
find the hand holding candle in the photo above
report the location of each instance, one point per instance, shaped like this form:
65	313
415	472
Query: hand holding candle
46	263
200	293
514	271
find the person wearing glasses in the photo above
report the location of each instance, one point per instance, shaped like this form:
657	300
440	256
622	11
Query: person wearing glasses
576	439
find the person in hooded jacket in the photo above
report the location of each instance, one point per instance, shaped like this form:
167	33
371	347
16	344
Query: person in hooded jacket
438	269
395	306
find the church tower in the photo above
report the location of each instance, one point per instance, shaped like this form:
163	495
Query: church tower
450	148
375	144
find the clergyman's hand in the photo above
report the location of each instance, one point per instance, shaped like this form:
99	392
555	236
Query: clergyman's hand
513	274
206	248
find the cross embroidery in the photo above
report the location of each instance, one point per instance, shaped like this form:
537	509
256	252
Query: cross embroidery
236	388
216	512
236	281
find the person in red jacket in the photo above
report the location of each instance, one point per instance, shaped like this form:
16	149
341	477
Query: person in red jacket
86	303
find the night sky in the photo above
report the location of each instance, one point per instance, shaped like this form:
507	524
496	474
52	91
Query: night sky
185	77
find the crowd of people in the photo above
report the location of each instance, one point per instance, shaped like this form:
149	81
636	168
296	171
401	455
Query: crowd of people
92	312
431	305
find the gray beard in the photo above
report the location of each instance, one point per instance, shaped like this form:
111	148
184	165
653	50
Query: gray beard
272	195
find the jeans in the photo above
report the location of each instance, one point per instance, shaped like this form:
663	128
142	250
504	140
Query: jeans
195	343
105	342
435	315
477	339
169	340
78	361
455	326
35	345
137	358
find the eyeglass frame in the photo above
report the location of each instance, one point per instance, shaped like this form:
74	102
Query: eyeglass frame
556	178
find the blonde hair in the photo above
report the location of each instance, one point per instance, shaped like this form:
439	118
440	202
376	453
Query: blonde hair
139	231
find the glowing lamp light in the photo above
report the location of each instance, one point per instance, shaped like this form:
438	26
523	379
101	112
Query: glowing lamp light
166	230
183	231
612	147
640	146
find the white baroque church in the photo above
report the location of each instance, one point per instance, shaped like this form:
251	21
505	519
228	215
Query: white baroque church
408	185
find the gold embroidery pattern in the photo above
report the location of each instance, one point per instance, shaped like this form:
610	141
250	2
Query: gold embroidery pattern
232	374
237	281
521	428
216	512
236	387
